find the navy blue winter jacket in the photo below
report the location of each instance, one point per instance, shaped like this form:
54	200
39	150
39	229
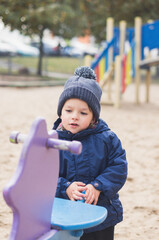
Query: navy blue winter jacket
101	163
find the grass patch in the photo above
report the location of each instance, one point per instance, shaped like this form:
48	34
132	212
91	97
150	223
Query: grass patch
50	64
62	64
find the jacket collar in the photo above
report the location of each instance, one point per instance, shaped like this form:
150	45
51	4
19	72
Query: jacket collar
100	127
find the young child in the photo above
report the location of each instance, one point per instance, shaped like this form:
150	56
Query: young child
101	169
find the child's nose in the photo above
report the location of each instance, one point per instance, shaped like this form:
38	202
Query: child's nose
75	115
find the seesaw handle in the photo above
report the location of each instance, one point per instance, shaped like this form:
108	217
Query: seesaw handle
72	146
17	137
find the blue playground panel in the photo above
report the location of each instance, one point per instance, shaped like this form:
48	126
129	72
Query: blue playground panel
150	36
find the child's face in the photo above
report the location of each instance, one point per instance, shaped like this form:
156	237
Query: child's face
76	115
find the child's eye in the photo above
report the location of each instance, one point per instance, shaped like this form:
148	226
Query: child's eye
83	113
68	110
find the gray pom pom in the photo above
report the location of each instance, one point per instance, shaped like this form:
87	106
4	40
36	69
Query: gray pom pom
85	72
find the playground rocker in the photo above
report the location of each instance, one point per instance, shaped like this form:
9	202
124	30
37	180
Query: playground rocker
37	214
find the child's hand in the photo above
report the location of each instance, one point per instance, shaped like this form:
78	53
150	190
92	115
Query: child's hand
74	191
91	194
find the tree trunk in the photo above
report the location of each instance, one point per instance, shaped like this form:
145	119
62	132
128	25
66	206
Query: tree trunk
39	70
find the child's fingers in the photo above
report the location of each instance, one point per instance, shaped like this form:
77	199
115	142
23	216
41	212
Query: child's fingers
95	201
72	199
82	189
89	198
78	195
87	193
80	184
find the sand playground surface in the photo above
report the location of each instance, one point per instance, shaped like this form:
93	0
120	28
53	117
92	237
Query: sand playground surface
136	125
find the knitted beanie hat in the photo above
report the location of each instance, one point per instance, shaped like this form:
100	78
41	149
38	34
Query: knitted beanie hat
82	85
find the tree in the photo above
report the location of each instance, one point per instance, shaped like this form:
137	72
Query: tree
97	11
33	17
68	18
145	9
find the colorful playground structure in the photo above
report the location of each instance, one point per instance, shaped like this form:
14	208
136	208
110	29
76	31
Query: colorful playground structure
124	56
37	213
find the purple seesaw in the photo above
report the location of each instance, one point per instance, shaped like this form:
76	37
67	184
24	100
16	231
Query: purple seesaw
37	214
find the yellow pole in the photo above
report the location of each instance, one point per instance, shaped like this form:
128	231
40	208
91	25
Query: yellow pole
101	69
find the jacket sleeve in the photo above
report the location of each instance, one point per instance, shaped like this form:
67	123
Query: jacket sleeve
111	180
62	185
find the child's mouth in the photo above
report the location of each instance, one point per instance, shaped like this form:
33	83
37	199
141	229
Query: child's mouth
74	125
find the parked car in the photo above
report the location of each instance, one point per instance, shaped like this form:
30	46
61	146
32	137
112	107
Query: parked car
7	50
16	43
21	48
84	48
71	52
48	49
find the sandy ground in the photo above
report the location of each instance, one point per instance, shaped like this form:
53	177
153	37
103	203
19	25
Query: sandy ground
136	125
